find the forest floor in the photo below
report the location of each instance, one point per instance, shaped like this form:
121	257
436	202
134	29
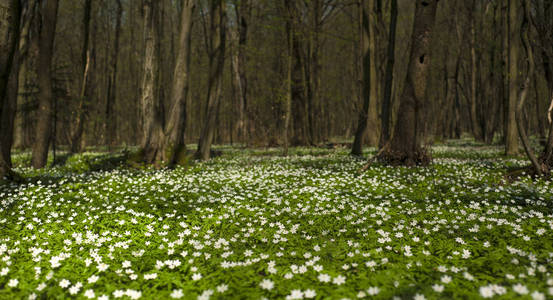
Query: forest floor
251	224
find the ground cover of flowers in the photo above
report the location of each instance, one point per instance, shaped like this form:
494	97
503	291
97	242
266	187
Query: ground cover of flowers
254	225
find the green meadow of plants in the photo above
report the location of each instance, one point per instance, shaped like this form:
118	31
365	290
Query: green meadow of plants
252	224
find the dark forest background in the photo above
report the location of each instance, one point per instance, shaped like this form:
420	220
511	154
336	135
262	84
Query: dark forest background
166	73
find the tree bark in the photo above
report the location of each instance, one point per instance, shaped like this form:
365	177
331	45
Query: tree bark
173	145
357	146
511	135
389	76
9	37
525	28
405	147
216	55
77	134
289	64
152	119
110	124
243	16
48	15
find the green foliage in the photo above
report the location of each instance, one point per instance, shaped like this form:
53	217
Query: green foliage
251	224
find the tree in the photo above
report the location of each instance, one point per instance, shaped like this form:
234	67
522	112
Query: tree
511	135
84	94
242	10
151	106
48	16
173	147
289	65
216	55
389	76
357	147
9	36
110	125
406	144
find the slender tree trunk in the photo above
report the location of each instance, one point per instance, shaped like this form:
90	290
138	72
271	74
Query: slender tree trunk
289	64
511	135
216	65
476	129
373	122
357	146
110	122
524	91
22	114
405	147
48	14
9	37
389	77
77	134
243	16
174	147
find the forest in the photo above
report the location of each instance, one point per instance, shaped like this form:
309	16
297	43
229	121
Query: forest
276	149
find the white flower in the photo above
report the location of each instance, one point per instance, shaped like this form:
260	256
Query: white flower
267	284
486	292
74	289
103	297
93	279
438	288
196	276
133	294
102	267
126	264
446	279
520	289
13	283
41	286
309	294
419	297
177	294
89	294
65	283
373	290
324	277
538	296
295	294
222	288
339	280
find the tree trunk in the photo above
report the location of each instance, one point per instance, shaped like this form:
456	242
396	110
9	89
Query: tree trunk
511	135
289	64
389	77
216	55
152	119
357	146
243	15
476	129
9	37
76	137
174	147
48	15
110	125
373	124
525	28
405	147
